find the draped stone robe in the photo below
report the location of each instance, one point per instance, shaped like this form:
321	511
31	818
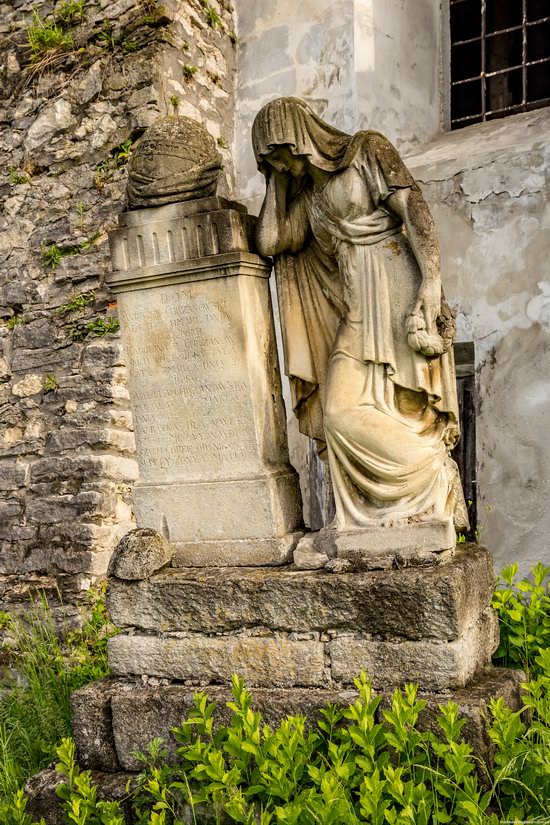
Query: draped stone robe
382	414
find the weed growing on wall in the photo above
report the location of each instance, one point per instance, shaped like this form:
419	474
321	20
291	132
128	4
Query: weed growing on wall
45	37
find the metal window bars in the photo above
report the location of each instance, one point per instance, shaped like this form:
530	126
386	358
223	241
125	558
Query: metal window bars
485	39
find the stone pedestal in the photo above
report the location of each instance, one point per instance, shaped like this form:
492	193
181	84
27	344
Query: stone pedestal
285	628
198	335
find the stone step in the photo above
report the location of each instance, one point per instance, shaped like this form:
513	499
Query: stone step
114	718
436	603
323	660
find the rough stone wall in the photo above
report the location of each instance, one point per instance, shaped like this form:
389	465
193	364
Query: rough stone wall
68	120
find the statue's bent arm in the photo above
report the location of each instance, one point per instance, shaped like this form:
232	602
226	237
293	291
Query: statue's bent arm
409	205
282	226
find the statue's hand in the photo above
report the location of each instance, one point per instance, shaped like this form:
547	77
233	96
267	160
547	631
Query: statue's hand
422	332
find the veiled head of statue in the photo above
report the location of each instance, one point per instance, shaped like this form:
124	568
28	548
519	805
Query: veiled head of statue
290	124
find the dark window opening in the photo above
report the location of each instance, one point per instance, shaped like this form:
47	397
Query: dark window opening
465	452
500	58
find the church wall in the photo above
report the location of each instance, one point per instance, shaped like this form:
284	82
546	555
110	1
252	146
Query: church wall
67	454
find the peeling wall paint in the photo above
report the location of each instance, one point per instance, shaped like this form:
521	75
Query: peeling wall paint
488	187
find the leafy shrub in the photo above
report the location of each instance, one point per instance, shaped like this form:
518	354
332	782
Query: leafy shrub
523	609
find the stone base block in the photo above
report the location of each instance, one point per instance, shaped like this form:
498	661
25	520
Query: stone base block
288	628
437	603
279	661
231	522
236	552
139	712
274	661
416	544
43	801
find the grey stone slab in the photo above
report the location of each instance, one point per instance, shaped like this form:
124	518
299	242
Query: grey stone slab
92	726
415	544
262	661
143	713
438	603
433	665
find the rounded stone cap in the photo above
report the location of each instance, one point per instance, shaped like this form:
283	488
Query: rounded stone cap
176	160
139	554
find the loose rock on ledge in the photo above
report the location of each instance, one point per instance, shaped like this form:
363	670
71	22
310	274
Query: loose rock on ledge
139	554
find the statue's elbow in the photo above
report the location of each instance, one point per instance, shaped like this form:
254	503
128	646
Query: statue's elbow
267	243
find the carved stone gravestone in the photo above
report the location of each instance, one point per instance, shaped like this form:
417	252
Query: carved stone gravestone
198	334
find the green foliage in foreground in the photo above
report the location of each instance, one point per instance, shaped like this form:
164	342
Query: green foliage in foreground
523	610
364	764
35	710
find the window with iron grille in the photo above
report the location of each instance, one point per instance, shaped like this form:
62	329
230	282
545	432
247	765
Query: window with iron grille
500	58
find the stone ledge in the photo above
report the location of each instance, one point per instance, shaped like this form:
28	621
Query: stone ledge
273	660
434	665
263	662
142	712
436	603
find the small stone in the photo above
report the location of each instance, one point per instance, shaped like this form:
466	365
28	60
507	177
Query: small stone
339	566
306	558
31	384
139	554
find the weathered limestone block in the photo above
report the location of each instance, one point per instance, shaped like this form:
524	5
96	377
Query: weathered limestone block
417	544
262	662
198	333
139	554
440	603
43	800
93	732
143	713
434	665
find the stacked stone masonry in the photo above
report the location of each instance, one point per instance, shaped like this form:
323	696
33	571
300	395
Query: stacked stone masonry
290	628
67	462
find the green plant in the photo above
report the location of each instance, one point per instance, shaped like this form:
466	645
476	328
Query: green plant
50	383
77	302
122	153
16	177
79	795
45	36
105	37
189	71
222	143
71	11
523	610
35	709
15	320
175	101
52	254
99	327
212	17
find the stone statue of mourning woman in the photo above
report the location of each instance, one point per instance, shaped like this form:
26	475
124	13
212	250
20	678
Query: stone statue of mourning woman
366	330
